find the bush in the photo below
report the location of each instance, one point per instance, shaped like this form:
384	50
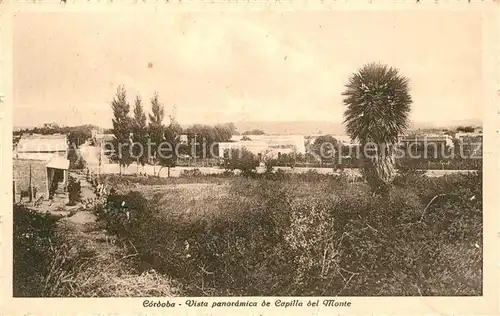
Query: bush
277	175
121	211
389	249
74	190
191	173
407	174
269	164
243	160
277	237
311	240
32	233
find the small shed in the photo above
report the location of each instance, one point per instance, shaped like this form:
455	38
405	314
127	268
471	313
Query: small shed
57	172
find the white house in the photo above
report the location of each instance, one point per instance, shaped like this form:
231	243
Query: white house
41	147
265	144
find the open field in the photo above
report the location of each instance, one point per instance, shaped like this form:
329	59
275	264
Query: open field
307	236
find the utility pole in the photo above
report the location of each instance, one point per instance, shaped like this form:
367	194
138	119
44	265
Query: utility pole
30	187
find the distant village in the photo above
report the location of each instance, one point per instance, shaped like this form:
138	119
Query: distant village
38	146
61	148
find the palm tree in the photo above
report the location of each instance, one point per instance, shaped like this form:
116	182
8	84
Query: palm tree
378	104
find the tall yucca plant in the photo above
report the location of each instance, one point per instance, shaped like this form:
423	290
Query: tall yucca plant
378	105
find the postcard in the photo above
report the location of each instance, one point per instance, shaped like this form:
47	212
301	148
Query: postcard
250	158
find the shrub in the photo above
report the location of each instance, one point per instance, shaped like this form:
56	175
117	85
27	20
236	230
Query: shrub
32	233
312	176
311	239
191	173
407	173
121	211
269	164
243	160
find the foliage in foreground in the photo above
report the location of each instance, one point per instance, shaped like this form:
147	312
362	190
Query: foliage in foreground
241	159
32	233
294	237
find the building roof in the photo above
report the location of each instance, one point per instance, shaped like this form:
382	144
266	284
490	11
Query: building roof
105	137
42	144
58	162
272	140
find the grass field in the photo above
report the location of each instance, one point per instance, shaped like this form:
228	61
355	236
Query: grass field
307	235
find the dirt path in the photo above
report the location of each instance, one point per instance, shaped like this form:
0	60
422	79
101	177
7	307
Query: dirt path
106	268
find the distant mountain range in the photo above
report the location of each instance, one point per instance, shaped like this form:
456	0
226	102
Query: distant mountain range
335	128
326	127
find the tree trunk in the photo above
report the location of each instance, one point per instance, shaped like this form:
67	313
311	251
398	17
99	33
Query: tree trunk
379	168
385	165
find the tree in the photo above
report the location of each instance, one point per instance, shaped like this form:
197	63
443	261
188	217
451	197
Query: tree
139	130
200	139
156	127
243	160
224	132
167	153
326	148
269	161
465	129
378	104
122	127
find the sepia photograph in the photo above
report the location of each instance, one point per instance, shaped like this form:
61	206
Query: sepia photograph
243	154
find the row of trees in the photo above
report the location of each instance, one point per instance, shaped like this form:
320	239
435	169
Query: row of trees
207	136
139	135
254	132
136	139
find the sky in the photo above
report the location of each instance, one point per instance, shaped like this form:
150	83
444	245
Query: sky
211	67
